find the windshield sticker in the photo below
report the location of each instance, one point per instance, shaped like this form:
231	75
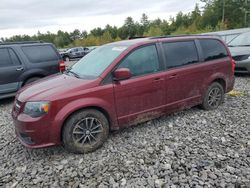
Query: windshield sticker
119	48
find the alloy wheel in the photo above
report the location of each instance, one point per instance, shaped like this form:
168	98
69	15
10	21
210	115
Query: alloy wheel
87	131
214	97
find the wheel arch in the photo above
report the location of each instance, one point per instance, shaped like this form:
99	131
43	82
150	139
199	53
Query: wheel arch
98	108
222	82
66	110
65	56
32	76
32	73
218	77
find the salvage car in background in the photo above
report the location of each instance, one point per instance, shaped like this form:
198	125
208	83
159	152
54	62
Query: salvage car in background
74	53
122	84
240	50
24	62
228	35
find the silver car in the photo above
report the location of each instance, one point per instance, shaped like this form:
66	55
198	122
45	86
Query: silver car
240	50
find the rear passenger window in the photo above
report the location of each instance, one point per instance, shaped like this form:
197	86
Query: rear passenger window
213	49
37	54
5	58
180	53
142	61
14	57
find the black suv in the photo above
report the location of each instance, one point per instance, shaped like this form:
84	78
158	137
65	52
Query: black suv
25	62
73	53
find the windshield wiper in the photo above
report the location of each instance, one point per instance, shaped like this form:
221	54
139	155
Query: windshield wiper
244	45
75	74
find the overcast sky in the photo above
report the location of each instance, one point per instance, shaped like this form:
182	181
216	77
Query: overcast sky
31	16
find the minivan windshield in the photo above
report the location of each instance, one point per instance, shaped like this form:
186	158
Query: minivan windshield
93	64
241	40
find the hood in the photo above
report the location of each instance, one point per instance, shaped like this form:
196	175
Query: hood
54	87
239	50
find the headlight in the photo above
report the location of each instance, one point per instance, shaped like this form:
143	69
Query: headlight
36	109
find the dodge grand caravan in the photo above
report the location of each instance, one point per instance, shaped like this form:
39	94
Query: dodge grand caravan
122	84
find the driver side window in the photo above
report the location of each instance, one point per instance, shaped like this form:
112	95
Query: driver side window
142	61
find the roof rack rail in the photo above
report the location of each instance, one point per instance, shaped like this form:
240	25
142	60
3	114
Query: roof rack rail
137	37
171	36
168	36
21	42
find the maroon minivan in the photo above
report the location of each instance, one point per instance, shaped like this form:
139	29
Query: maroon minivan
122	84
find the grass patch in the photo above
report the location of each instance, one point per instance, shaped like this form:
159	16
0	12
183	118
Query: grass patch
235	93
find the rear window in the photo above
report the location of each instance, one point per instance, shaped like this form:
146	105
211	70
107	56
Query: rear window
180	53
213	49
5	57
37	54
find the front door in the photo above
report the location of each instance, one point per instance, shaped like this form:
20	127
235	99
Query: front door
141	97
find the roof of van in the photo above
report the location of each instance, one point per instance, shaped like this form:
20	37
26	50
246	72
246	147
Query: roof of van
138	40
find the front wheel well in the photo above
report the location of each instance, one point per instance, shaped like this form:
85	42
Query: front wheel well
103	111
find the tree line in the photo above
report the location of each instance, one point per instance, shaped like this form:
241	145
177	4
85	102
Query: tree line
215	15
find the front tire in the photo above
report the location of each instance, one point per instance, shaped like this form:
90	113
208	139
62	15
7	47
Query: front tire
213	97
85	131
66	58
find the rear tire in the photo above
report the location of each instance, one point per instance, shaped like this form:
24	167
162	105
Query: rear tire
213	97
85	131
30	80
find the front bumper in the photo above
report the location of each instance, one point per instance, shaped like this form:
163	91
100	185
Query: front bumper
242	66
33	132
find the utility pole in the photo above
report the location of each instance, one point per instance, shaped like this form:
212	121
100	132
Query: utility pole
245	18
223	11
246	14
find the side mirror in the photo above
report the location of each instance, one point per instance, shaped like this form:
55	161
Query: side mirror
121	74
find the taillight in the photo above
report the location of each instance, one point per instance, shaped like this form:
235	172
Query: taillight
62	66
233	64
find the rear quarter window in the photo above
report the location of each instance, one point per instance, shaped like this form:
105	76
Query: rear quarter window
38	54
5	57
14	58
213	49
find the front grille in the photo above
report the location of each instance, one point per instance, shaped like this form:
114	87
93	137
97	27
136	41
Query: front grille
240	69
240	57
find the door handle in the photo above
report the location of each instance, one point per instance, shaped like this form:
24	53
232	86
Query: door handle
19	69
172	76
158	79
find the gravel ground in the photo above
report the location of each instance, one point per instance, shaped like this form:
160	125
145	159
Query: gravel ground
193	148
